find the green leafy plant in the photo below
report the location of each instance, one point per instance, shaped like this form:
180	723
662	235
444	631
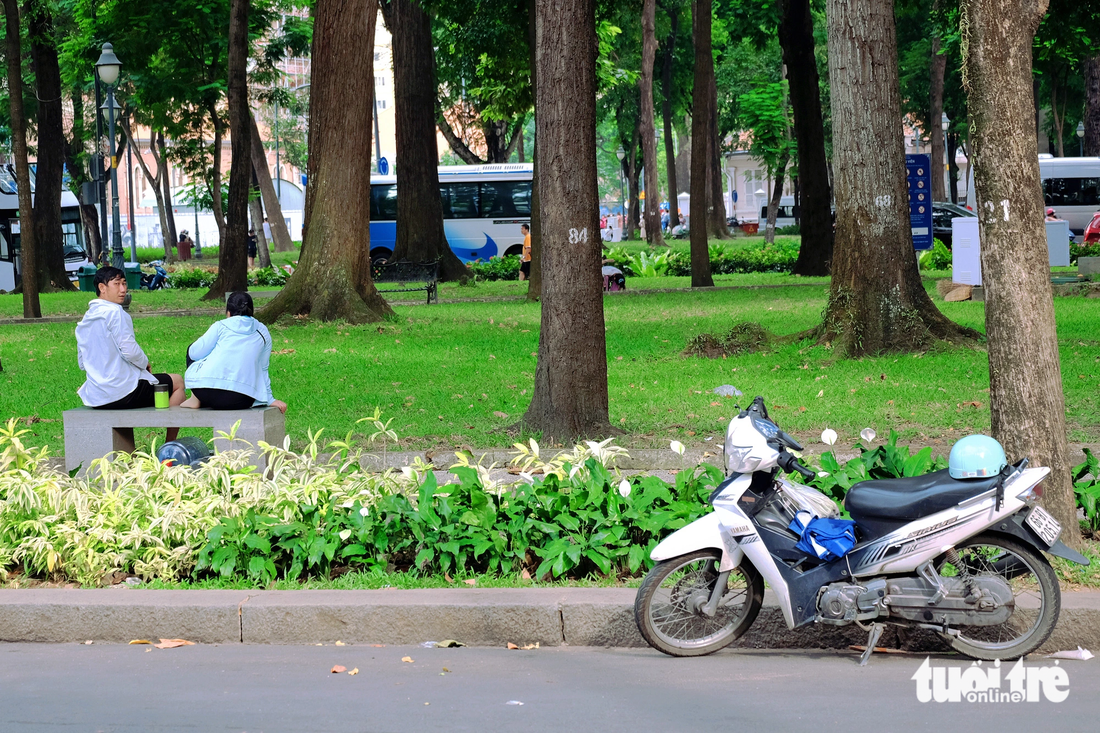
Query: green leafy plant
646	264
496	268
884	461
193	278
1086	487
937	258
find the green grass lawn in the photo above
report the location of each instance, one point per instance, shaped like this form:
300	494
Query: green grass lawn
458	373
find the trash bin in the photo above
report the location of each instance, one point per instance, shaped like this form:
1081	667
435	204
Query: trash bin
85	275
184	249
133	275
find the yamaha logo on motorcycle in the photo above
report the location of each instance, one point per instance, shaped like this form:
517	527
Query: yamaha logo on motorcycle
960	556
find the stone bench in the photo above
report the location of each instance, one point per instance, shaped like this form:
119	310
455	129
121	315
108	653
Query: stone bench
91	434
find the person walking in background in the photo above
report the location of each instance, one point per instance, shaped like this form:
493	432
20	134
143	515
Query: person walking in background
251	247
525	259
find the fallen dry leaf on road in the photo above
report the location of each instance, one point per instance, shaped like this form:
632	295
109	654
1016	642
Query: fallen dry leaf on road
339	643
173	643
471	581
525	574
532	646
378	645
140	641
337	669
407	659
448	578
354	671
513	646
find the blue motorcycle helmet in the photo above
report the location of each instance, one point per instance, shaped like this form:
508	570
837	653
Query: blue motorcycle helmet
976	456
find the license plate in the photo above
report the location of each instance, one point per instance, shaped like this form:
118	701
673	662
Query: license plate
1045	526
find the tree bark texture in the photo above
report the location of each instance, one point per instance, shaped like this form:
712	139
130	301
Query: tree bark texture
876	302
666	113
534	280
157	184
32	308
716	209
1027	400
648	125
796	36
700	145
570	394
332	280
51	152
937	69
777	193
279	232
216	206
168	217
73	146
632	173
1092	106
420	234
256	213
233	248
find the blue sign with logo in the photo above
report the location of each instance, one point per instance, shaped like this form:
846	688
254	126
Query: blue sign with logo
919	170
383	166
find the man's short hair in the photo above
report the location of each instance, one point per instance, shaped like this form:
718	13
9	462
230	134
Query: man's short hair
105	275
239	304
525	226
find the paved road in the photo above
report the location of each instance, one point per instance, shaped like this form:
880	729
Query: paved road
52	687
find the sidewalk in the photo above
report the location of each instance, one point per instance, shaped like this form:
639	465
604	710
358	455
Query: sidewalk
473	616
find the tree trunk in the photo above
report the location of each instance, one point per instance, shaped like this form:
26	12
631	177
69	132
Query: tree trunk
877	301
796	36
534	280
216	175
73	147
952	168
256	212
938	68
1092	106
458	147
683	160
648	130
233	247
420	235
1056	117
1027	400
666	113
633	190
164	180
332	280
279	232
777	193
51	152
700	145
32	308
716	209
155	183
570	394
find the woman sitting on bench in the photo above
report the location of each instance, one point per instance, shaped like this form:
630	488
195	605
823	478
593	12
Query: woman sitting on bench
227	366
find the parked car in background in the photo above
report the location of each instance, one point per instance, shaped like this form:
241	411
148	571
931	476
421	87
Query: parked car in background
942	214
75	258
1092	231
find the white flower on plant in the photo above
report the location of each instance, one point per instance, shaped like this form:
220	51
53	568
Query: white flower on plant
527	477
624	488
677	447
828	436
346	505
868	434
822	474
345	534
407	472
364	512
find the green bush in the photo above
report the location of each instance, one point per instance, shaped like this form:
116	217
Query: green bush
497	268
1086	487
268	277
937	258
193	278
884	461
791	230
1091	249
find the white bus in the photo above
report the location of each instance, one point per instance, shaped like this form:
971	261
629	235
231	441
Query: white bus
483	207
1071	186
72	238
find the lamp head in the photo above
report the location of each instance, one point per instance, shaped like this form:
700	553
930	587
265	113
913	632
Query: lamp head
945	122
108	65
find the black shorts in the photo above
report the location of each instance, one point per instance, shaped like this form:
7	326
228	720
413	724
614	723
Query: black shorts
142	396
222	399
525	267
251	249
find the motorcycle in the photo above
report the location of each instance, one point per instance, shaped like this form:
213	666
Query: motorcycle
156	281
962	557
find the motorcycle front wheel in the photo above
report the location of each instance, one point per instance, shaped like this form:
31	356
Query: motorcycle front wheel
669	602
1036	599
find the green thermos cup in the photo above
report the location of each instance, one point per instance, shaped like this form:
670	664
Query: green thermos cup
160	396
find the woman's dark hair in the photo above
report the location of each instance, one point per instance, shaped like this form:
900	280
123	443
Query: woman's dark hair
239	304
105	275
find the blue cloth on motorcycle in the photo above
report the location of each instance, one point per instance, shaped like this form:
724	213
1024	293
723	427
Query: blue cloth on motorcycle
825	539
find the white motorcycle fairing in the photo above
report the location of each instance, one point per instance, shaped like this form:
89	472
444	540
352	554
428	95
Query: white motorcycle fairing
703	534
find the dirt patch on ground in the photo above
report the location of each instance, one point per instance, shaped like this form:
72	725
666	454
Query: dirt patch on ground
744	338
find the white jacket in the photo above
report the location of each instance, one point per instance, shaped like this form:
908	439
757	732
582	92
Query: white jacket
109	354
234	354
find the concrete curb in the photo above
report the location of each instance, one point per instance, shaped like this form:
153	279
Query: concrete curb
474	616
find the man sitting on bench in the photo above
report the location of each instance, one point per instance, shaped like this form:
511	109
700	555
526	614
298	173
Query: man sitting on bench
118	373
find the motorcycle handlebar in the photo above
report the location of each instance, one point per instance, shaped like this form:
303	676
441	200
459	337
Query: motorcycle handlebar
788	462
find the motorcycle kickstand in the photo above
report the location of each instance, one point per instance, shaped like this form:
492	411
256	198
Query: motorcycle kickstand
872	639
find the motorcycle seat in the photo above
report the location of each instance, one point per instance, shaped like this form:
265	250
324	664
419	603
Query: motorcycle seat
913	497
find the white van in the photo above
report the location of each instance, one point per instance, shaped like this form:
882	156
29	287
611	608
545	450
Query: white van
1071	186
786	215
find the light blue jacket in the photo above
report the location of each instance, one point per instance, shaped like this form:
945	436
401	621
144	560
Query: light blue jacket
233	354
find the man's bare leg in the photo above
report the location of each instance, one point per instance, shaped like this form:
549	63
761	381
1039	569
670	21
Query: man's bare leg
175	399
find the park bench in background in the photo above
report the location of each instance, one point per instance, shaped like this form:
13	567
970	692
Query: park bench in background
91	434
405	274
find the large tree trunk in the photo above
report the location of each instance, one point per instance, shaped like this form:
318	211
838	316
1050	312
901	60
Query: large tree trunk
570	394
332	280
716	211
51	152
32	308
796	36
938	67
279	231
701	145
74	146
420	235
634	209
1092	106
777	193
233	247
256	213
877	301
649	142
1027	401
666	113
534	284
216	174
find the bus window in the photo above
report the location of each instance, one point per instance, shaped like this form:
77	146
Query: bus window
446	200
383	202
464	200
503	199
1071	191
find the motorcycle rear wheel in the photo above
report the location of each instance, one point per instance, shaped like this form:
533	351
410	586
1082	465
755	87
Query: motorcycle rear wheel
1037	597
667	606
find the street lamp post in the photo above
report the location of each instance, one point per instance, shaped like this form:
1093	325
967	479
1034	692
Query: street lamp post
1080	139
620	154
107	68
945	125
